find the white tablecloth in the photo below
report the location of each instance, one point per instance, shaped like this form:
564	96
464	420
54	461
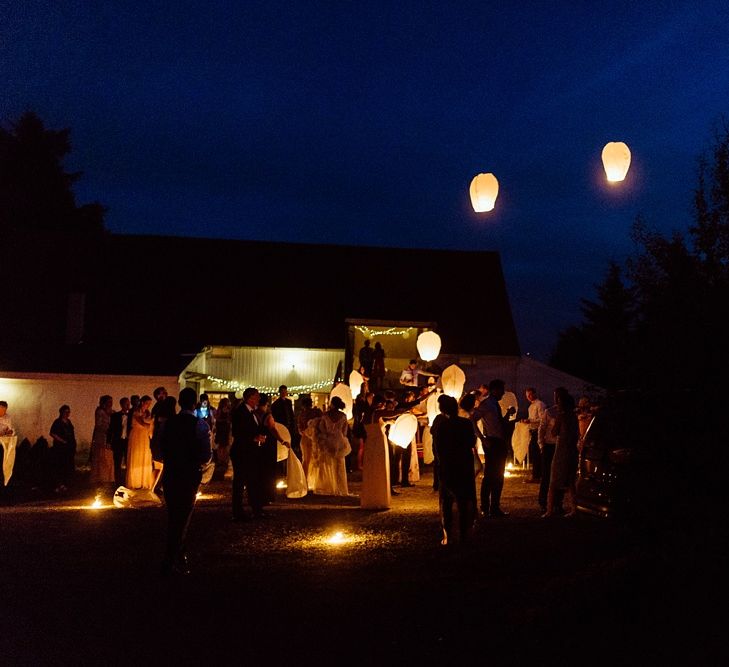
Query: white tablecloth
8	442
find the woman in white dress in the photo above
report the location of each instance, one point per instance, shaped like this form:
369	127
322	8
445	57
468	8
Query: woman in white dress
328	471
139	454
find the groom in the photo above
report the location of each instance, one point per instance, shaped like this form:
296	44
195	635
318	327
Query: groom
247	455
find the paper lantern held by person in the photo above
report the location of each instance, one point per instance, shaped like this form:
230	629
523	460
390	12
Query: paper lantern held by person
453	381
403	430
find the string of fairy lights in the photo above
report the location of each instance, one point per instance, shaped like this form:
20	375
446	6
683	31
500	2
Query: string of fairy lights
236	386
239	386
392	331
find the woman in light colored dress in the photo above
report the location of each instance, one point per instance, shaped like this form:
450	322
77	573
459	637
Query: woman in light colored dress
328	469
102	458
139	454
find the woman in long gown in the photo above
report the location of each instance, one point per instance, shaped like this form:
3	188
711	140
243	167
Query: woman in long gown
328	469
102	458
139	454
308	413
563	477
269	447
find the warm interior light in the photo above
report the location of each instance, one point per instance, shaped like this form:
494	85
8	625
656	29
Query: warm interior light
281	484
97	503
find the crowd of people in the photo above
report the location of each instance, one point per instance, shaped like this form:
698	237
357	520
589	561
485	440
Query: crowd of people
138	446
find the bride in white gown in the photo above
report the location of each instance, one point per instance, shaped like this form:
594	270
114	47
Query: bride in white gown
328	471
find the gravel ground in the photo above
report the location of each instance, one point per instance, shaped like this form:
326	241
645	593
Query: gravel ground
81	586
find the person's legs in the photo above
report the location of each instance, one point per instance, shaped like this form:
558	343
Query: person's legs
547	456
499	455
466	516
180	501
446	513
535	457
238	484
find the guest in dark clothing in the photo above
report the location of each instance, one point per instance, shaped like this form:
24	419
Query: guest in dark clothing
185	447
247	456
454	440
282	410
63	452
119	426
366	358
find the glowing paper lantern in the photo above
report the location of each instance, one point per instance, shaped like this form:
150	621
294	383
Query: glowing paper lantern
616	160
428	345
453	381
484	190
355	383
403	430
345	393
509	400
431	406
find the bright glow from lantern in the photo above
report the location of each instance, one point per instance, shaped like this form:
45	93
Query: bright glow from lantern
281	484
507	473
97	503
509	466
403	430
428	345
616	160
431	405
453	380
484	190
338	538
355	383
345	393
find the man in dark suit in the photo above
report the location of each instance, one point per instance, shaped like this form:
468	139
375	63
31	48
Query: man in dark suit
119	426
248	457
185	445
282	410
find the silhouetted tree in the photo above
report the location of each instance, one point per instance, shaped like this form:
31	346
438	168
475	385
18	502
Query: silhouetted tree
600	349
50	243
665	325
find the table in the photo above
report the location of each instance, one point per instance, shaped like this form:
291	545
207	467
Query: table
9	443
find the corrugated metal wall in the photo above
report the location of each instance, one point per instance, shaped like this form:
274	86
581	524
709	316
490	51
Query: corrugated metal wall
269	367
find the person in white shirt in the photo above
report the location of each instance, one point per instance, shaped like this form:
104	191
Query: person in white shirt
537	408
6	426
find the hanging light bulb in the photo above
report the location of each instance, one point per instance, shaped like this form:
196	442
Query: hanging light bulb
616	160
484	190
428	345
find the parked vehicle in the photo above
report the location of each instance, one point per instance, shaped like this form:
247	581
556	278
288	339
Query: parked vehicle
633	461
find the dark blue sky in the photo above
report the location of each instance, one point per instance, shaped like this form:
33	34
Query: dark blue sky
363	123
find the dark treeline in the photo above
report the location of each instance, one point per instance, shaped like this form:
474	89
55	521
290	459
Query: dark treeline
659	330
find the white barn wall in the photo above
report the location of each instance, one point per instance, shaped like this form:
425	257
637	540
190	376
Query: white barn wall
518	373
34	398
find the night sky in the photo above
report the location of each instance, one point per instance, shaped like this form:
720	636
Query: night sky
364	123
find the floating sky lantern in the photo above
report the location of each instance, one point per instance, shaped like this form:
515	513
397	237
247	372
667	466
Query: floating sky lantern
453	380
403	430
428	345
616	160
484	190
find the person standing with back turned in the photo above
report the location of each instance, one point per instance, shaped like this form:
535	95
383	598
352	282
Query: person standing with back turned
185	445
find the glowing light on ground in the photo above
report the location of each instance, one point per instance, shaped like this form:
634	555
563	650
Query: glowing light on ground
281	484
